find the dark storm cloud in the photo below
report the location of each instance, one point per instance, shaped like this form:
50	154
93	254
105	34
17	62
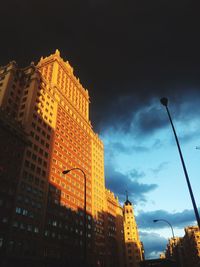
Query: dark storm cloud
154	244
119	183
149	119
117	147
177	219
143	120
113	149
125	54
135	174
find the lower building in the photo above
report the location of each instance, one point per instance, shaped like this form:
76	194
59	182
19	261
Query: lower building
133	246
158	263
185	251
114	233
191	246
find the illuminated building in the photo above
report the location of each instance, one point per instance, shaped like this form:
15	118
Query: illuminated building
52	107
162	255
133	246
98	200
71	147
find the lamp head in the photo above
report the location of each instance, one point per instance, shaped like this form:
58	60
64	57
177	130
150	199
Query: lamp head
164	101
66	171
155	221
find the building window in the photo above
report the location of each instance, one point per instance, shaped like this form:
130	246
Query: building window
5	220
36	230
18	210
1	242
29	228
15	224
32	166
25	212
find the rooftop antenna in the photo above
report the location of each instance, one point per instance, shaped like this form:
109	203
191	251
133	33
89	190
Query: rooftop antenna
126	195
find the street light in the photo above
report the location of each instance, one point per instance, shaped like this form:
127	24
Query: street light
158	220
164	102
85	213
173	237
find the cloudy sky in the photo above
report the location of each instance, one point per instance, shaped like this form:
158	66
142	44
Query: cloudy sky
128	54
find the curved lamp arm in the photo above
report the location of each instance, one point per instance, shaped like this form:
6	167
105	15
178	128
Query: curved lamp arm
157	220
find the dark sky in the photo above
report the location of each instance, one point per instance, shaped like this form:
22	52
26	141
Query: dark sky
124	52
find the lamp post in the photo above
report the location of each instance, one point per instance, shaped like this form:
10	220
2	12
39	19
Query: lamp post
173	237
164	102
85	214
158	220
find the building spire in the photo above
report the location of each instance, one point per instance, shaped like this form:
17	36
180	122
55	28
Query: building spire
127	201
126	195
57	52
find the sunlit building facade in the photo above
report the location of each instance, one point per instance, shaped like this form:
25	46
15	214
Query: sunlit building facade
71	148
99	200
133	246
51	106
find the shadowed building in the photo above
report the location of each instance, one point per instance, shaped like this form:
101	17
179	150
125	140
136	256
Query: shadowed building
21	97
12	142
185	251
191	247
158	263
114	231
174	251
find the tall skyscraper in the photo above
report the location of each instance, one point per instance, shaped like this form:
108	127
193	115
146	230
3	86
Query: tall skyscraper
50	131
52	107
